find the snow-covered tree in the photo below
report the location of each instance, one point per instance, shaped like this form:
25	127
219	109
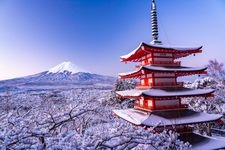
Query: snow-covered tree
116	101
73	119
125	84
214	104
216	69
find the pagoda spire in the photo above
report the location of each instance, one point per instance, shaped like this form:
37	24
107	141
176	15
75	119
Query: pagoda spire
155	33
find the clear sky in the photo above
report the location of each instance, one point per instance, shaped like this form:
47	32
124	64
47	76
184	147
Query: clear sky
36	35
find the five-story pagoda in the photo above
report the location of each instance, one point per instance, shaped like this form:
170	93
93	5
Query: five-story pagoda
158	95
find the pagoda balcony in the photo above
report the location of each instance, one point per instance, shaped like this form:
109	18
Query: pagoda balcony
164	84
166	63
178	128
159	108
160	63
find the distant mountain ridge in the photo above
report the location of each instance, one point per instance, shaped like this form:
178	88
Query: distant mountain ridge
64	73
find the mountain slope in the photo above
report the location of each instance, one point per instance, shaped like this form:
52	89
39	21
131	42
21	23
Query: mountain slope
64	73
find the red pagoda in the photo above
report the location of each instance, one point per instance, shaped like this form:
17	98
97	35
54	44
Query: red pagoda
158	94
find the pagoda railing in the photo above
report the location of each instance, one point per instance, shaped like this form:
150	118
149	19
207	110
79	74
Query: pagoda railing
175	63
160	108
167	63
179	129
163	84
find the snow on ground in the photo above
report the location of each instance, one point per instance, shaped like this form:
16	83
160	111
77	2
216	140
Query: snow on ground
72	118
81	118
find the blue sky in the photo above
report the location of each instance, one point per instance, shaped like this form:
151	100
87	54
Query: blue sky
36	35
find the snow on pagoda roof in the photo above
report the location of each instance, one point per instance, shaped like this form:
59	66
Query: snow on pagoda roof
131	93
163	69
165	118
202	142
171	68
178	48
181	91
147	48
165	92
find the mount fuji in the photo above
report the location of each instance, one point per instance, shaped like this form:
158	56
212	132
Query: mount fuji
64	73
66	67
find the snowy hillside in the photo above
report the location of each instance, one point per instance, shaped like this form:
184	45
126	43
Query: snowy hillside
64	73
73	118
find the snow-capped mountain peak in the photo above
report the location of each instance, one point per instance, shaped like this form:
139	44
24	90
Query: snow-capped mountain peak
66	67
62	74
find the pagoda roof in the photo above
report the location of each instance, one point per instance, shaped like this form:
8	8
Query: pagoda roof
166	118
165	92
182	70
198	141
143	49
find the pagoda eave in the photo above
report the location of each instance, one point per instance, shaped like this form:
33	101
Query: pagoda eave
133	93
202	142
145	49
178	74
162	97
179	96
126	97
166	118
179	71
167	49
166	93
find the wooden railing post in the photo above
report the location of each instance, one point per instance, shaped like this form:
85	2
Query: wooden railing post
208	129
